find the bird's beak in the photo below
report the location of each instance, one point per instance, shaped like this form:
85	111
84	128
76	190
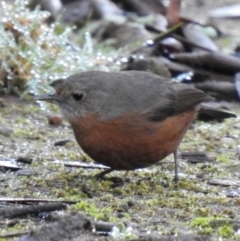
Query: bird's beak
47	97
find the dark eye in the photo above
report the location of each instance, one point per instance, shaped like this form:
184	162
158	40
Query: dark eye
77	96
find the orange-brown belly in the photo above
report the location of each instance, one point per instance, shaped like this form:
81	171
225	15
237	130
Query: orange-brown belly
129	141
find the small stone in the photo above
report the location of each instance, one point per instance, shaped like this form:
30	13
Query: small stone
26	160
27	172
61	143
55	120
124	207
236	125
131	203
5	131
120	215
228	141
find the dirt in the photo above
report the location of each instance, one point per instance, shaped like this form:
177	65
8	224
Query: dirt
147	202
205	202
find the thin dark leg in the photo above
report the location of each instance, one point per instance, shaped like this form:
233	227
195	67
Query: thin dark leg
115	180
100	175
176	167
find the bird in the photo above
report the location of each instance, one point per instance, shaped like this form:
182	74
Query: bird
127	120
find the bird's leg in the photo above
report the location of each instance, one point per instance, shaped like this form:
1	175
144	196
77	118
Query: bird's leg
176	167
115	180
100	175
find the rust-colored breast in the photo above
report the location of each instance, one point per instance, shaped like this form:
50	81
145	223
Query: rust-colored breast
130	141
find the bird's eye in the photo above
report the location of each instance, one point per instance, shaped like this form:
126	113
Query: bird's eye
77	96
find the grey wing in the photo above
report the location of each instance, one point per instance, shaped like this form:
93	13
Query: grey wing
179	99
149	94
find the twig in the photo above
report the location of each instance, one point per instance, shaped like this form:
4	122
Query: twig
167	33
26	200
33	210
13	233
9	163
224	183
103	227
82	165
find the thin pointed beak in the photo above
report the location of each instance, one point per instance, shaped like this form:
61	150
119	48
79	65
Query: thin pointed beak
47	97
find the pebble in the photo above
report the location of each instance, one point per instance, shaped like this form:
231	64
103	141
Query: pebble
5	131
55	120
228	141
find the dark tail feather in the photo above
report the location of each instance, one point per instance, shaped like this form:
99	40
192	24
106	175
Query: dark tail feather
211	114
188	97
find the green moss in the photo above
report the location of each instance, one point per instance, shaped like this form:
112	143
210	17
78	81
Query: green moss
209	225
223	158
69	193
153	202
152	194
26	133
118	191
104	213
202	225
211	169
225	231
190	185
127	216
223	200
202	222
17	226
203	212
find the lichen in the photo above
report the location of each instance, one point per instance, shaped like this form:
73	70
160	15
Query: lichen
34	54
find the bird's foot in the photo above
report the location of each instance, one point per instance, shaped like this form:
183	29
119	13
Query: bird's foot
101	175
176	179
117	181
